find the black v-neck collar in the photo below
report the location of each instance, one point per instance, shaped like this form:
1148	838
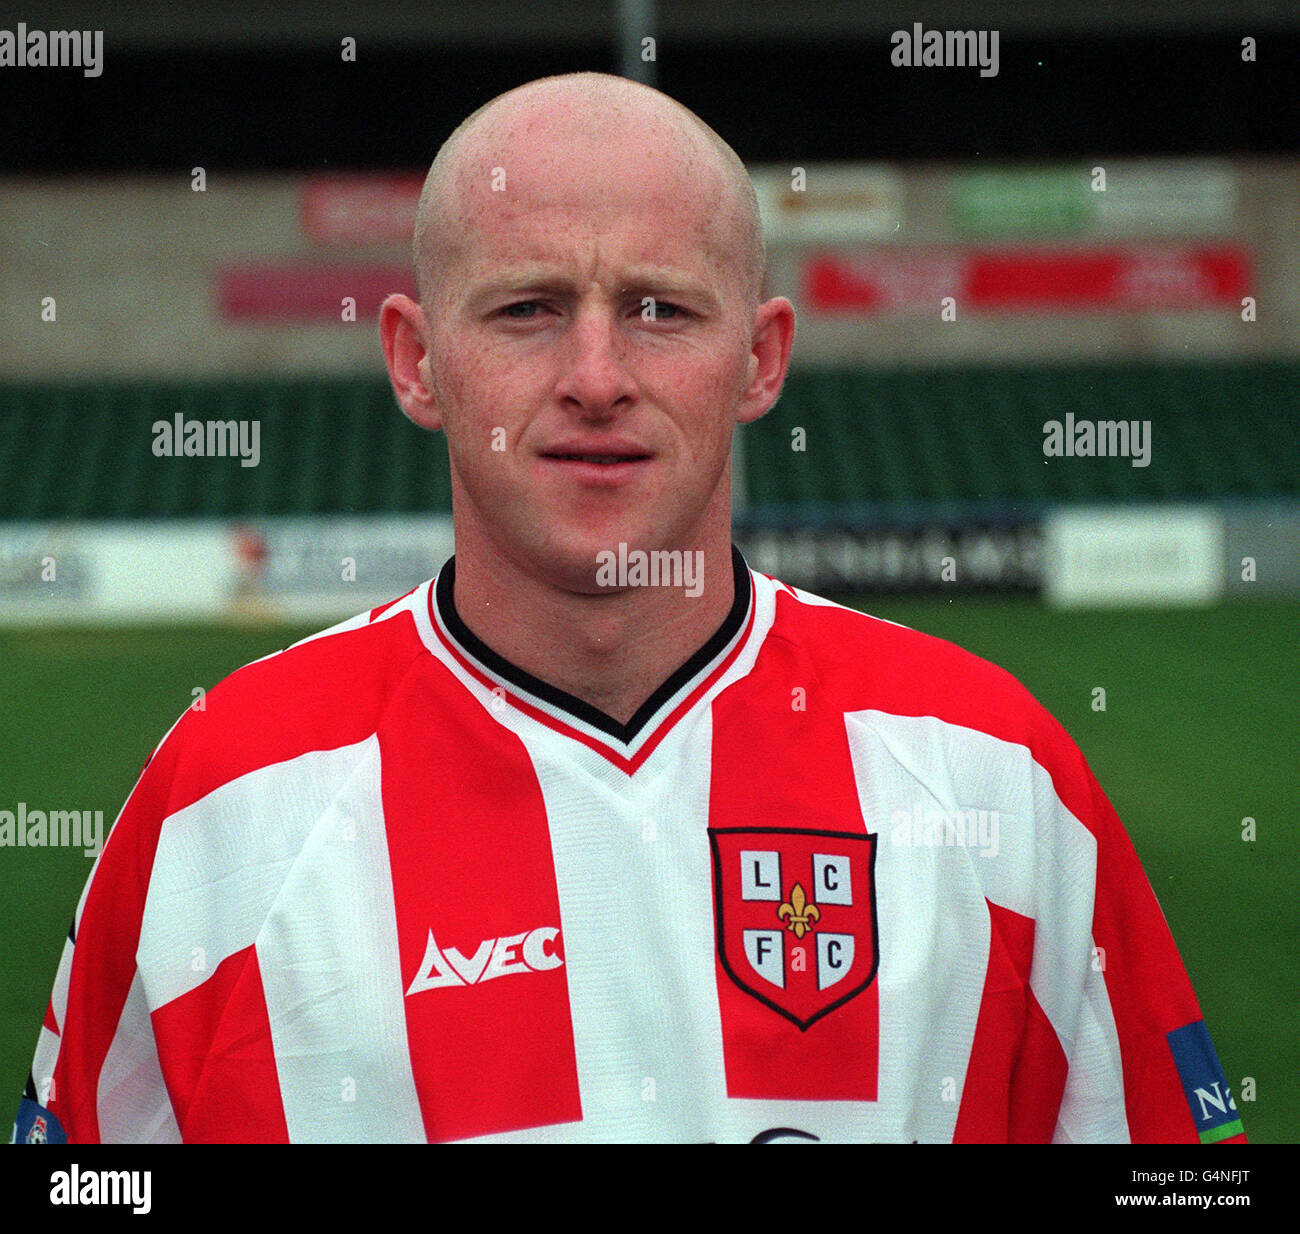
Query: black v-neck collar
444	599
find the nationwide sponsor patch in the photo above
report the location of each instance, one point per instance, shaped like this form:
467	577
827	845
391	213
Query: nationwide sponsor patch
1208	1096
796	916
36	1125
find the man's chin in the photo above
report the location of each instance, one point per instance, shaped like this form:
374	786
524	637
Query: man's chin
585	572
589	565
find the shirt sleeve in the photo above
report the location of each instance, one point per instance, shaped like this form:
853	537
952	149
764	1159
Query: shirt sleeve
1139	1061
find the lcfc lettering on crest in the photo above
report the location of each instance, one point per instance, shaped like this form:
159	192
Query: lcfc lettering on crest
760	880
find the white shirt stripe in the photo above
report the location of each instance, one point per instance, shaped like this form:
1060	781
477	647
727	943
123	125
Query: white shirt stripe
331	972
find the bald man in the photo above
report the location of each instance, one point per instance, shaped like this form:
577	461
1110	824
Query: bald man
600	835
590	262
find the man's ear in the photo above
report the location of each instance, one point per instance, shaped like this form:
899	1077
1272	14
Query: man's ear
402	335
769	359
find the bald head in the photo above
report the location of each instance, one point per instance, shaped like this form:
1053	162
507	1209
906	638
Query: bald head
591	108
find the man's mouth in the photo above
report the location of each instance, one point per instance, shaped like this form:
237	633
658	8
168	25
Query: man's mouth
605	460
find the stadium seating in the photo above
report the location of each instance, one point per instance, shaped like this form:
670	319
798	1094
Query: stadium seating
875	439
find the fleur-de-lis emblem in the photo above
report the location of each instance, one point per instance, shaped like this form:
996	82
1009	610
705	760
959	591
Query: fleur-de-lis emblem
799	914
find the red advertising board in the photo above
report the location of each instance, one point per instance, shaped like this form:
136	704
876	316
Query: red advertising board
360	209
300	292
1164	278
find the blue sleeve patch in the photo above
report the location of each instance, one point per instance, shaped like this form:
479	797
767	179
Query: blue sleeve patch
36	1125
1204	1085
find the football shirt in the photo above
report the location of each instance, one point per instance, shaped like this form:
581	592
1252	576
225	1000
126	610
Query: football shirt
835	876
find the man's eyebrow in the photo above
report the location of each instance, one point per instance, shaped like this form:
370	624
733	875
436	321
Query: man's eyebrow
668	285
663	284
538	281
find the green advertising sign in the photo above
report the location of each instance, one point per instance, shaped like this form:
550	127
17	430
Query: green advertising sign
1046	201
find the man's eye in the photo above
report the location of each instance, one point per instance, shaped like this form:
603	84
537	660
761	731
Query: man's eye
659	310
529	307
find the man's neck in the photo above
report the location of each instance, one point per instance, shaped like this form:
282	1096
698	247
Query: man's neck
612	650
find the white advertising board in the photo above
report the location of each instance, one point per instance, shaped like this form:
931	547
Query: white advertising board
211	570
1138	555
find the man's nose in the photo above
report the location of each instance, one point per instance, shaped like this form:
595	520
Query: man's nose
596	373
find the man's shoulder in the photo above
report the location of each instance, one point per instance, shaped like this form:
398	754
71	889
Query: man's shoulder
867	646
870	663
321	693
896	679
333	664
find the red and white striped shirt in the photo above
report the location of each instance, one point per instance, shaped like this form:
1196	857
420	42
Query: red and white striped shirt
836	876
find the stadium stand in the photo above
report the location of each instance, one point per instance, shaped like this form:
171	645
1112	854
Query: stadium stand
877	440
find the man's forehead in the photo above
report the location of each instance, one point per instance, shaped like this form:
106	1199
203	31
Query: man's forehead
625	259
535	207
552	165
604	150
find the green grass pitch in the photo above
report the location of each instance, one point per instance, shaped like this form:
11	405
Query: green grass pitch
1198	734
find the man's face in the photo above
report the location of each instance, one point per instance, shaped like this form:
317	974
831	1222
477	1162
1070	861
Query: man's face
578	414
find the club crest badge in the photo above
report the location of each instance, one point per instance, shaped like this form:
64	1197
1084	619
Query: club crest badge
796	916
